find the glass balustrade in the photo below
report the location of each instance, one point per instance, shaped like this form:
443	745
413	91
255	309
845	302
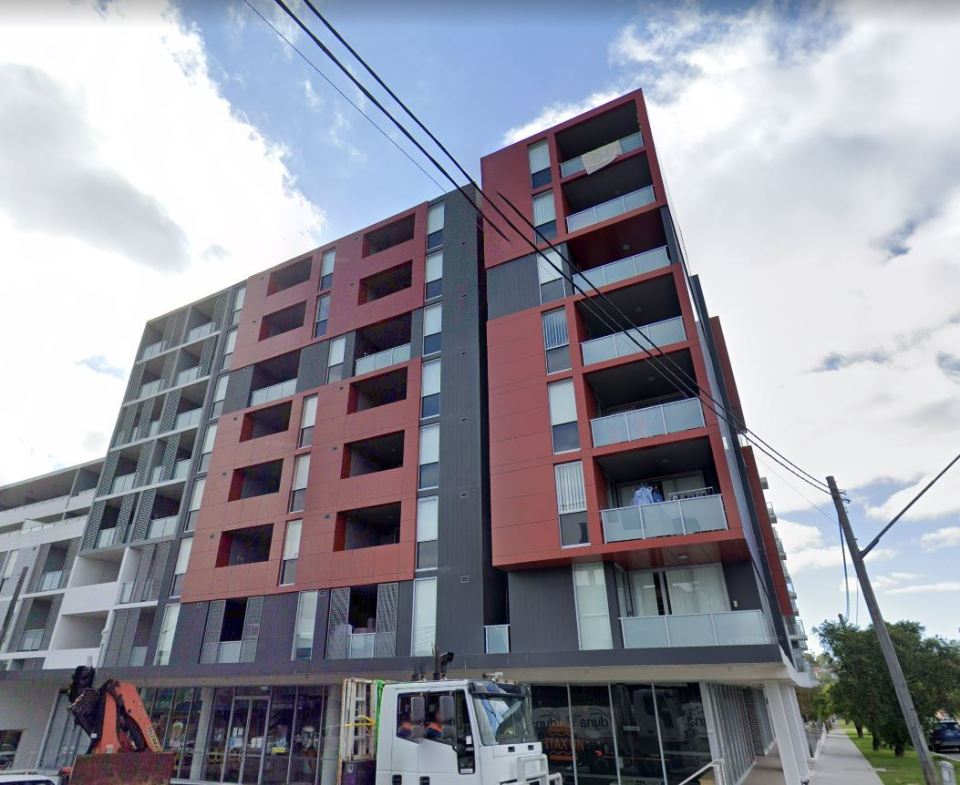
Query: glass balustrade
497	638
361	645
200	331
384	359
627	144
273	392
188	375
623	269
50	580
181	469
187	419
105	538
152	350
150	388
731	628
664	519
31	640
610	209
122	483
649	421
162	527
138	656
610	347
229	651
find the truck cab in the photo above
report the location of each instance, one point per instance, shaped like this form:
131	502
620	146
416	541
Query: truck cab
458	732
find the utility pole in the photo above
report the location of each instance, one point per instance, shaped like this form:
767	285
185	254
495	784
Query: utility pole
886	644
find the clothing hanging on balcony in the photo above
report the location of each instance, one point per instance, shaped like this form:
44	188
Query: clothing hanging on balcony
646	494
599	158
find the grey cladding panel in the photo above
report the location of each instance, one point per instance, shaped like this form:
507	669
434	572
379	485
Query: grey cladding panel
542	615
313	365
385	642
251	629
189	635
276	627
211	631
512	286
238	389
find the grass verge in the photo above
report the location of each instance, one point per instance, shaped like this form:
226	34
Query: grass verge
896	771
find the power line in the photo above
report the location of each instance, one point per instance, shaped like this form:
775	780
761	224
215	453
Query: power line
343	95
604	317
913	501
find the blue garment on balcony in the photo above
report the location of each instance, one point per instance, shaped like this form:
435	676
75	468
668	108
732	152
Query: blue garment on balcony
646	494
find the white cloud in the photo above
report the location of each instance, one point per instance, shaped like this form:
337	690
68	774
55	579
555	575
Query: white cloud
814	171
941	538
807	548
924	588
159	194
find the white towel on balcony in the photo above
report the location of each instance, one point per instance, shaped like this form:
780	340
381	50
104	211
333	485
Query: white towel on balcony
599	158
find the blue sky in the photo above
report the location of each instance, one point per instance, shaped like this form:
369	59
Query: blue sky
809	151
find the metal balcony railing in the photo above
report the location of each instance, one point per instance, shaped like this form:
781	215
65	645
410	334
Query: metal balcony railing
664	519
274	392
627	144
610	209
610	347
384	359
497	638
623	269
31	640
649	421
50	580
730	628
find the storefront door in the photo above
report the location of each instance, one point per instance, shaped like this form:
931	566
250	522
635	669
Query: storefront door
245	739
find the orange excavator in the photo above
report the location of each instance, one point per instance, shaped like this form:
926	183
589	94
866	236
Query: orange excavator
124	747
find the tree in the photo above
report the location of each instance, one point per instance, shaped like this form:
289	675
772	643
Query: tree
863	692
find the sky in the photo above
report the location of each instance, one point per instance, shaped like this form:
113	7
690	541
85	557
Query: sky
153	152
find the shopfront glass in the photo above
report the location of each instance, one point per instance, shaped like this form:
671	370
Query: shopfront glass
683	730
551	720
596	758
308	730
638	741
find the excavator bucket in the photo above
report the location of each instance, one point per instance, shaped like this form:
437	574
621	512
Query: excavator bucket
124	768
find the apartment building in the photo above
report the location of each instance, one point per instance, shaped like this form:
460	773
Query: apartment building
421	438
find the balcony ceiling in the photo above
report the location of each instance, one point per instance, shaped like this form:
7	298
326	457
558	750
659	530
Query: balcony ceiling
644	303
631	465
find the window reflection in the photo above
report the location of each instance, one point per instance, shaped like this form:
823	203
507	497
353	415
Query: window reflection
637	741
683	730
308	727
551	720
593	735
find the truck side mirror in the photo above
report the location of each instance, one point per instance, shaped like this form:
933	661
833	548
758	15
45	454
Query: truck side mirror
448	710
418	710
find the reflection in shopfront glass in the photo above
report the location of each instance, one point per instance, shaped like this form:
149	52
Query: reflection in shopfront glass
219	717
279	736
596	759
683	730
308	727
637	743
551	721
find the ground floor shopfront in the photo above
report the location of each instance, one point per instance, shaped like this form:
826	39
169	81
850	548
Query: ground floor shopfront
637	733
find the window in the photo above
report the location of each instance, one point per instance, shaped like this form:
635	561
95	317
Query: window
430	390
229	345
432	318
429	456
305	625
323	311
395	233
556	342
435	226
679	592
549	265
195	499
424	617
207	449
427	526
563	416
9	741
250	545
238	302
593	613
298	494
291	553
327	262
219	395
167	630
257	480
539	156
571	503
6	577
434	276
183	559
308	418
291	275
335	359
545	215
283	321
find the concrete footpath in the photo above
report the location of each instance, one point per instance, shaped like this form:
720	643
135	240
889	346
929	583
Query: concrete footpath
841	763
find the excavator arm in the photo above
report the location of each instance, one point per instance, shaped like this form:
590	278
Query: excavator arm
112	715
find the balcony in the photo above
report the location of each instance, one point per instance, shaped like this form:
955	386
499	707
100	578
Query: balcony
274	392
105	538
622	344
138	591
623	269
152	350
200	331
138	656
383	359
162	527
674	518
361	645
625	145
649	421
497	638
187	419
32	640
123	483
50	581
229	651
610	209
187	375
795	629
150	388
732	628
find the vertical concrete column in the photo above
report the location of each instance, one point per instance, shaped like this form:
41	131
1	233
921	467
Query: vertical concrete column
330	752
782	733
796	725
203	733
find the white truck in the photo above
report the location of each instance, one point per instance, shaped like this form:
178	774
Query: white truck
446	732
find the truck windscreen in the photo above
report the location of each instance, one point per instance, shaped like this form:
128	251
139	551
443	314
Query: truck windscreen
504	719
